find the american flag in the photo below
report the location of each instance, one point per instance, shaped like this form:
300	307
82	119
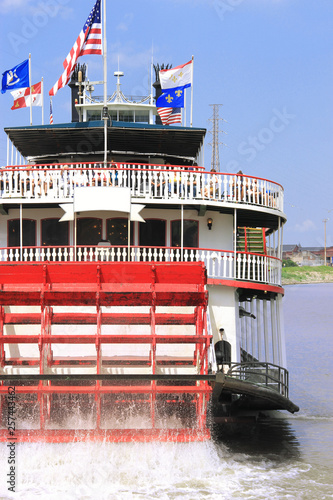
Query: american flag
51	113
88	42
170	115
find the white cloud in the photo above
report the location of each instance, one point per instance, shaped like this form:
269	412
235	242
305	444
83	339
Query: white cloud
305	226
7	5
126	22
52	8
128	56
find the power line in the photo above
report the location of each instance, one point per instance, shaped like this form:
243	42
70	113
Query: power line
215	163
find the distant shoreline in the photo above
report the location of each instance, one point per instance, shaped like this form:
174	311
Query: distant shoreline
310	282
307	275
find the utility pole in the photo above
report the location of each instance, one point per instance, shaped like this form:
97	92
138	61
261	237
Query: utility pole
324	221
215	164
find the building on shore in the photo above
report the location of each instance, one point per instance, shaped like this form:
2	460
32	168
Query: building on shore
308	256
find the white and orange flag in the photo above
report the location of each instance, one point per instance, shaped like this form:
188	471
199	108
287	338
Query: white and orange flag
22	97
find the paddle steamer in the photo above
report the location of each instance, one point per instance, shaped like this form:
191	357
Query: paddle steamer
140	294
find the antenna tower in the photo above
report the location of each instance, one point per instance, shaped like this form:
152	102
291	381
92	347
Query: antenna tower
215	140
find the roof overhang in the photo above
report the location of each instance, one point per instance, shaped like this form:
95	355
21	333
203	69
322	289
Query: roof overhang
87	138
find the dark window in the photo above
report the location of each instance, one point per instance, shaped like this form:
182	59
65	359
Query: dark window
117	231
152	233
93	115
89	231
126	116
54	233
141	117
191	233
28	230
113	115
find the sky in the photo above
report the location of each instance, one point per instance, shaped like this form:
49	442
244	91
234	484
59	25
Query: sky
268	63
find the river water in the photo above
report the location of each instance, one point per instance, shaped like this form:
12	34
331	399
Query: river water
290	457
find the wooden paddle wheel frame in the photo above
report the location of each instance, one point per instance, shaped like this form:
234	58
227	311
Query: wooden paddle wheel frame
174	386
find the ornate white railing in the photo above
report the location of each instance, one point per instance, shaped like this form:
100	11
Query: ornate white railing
58	182
220	264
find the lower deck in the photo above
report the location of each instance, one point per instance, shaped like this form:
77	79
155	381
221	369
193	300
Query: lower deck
98	347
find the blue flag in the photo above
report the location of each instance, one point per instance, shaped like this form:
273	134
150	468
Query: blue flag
16	78
171	98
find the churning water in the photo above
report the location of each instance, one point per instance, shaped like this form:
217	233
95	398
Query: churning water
289	457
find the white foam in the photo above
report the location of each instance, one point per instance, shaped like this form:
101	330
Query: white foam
147	471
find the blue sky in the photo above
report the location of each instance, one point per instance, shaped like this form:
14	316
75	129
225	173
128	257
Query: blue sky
268	62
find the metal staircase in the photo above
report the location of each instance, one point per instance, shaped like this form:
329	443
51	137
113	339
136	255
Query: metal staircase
251	239
251	253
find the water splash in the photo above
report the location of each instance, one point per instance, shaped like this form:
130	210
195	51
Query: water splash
144	471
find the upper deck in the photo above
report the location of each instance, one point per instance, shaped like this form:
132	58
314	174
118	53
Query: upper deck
256	199
251	201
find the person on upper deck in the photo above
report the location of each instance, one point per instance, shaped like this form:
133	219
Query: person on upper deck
158	185
44	181
80	178
237	186
192	180
251	190
211	189
101	179
27	182
4	181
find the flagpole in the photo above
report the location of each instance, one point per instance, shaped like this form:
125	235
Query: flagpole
42	101
51	112
151	79
30	89
105	108
151	119
192	93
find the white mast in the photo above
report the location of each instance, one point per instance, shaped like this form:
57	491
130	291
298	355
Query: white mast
191	119
42	101
30	89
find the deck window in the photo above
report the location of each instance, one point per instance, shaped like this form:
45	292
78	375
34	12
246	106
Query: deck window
152	233
89	231
54	233
113	115
94	115
137	116
117	231
141	117
191	233
28	230
126	116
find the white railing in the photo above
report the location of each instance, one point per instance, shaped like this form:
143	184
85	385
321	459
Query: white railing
220	264
58	182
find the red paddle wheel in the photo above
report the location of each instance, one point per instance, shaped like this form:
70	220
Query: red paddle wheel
103	351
